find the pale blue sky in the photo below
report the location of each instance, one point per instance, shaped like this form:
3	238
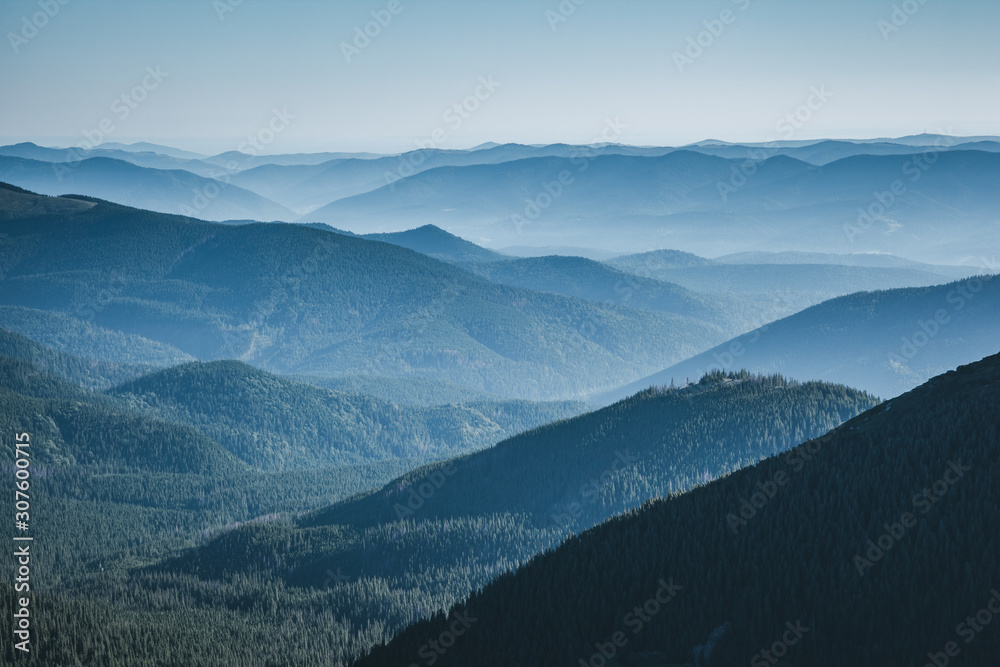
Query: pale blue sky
939	71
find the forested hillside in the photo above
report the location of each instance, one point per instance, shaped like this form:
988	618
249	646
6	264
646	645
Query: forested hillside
73	428
876	543
389	334
586	279
583	470
114	491
439	244
76	333
277	424
87	373
428	538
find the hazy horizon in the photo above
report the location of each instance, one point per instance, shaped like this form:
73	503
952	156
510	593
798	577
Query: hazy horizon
181	144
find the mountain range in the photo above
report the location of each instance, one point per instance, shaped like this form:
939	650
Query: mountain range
441	531
848	205
328	304
550	404
899	196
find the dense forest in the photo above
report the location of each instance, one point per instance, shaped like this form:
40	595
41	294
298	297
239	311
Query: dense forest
277	424
658	442
158	538
442	531
115	491
891	516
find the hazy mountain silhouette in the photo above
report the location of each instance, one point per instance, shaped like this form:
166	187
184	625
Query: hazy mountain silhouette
166	191
885	342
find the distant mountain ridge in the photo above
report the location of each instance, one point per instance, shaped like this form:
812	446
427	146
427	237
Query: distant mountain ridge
167	191
701	202
885	342
439	244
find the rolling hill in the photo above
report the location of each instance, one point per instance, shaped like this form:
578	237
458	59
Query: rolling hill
787	282
604	185
824	152
307	186
583	278
147	147
154	159
876	260
576	473
276	424
586	279
71	369
812	282
72	427
76	334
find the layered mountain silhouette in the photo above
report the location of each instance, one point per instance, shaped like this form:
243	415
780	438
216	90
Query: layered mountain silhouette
317	302
166	191
897	203
886	342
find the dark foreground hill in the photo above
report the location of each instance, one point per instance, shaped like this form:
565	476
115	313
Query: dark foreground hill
874	545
